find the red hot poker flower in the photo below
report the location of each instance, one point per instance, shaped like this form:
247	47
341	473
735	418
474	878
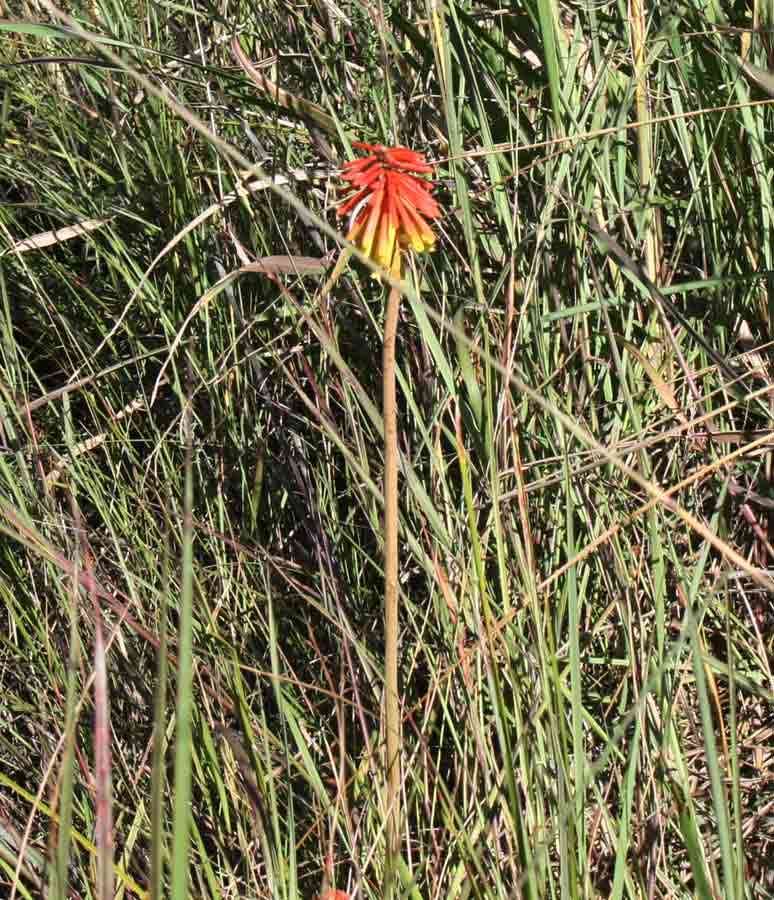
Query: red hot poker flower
390	205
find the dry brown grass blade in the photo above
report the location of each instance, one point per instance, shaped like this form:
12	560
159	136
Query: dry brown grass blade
282	97
55	236
663	389
287	265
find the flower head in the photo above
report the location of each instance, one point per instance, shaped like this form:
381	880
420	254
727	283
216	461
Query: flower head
390	205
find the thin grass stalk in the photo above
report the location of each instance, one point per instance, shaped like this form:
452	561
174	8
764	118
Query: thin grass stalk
548	16
718	779
58	879
158	836
574	601
627	799
494	682
102	759
392	721
181	826
733	759
644	145
288	867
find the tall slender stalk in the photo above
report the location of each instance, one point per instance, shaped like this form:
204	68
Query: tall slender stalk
644	136
392	718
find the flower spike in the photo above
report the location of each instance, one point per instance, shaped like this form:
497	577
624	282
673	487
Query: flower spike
389	205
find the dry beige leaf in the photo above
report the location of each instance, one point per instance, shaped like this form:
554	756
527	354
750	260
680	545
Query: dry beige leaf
663	389
287	265
56	236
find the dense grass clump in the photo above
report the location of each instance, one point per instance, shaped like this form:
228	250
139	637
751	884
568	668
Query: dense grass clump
192	645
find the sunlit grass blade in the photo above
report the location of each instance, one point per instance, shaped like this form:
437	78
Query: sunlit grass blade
184	706
158	778
58	875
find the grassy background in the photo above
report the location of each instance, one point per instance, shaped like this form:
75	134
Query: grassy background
586	679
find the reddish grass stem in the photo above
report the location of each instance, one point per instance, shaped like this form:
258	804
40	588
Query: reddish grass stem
392	718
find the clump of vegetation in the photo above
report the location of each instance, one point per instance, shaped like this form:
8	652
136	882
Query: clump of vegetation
193	646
